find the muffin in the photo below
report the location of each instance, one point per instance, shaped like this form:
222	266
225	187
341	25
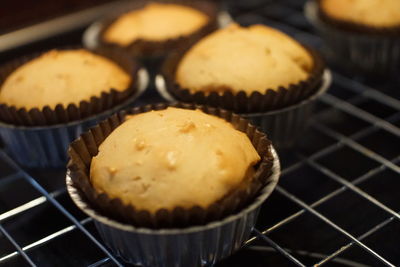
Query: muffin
172	176
362	34
155	22
152	30
46	100
156	161
62	77
151	157
255	69
249	59
368	14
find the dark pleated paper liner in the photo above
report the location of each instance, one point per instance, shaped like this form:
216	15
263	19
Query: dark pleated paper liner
241	102
83	149
193	245
40	138
365	49
151	53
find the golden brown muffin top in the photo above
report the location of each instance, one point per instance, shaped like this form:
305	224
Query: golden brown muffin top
253	58
155	22
172	157
376	13
62	77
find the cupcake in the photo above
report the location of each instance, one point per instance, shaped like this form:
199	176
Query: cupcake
62	77
152	30
46	100
251	70
364	33
165	177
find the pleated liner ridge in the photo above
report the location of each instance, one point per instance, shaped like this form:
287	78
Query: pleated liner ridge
143	48
84	148
61	114
242	102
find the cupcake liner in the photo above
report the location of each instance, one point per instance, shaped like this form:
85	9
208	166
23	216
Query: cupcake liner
83	149
241	102
46	146
156	50
191	246
286	126
368	49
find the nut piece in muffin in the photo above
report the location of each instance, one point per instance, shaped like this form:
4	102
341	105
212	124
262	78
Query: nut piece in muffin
173	157
62	77
371	13
249	59
155	22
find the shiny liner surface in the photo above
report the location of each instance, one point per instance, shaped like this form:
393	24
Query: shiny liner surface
46	146
192	246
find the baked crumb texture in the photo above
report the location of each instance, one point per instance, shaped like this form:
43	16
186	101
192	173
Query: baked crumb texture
170	158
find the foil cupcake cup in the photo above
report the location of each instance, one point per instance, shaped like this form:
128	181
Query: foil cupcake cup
46	146
355	47
191	246
284	126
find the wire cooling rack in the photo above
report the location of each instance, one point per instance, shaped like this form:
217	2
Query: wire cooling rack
337	203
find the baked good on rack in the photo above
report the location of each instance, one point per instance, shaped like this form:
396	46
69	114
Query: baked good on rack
249	59
173	158
62	77
155	22
368	13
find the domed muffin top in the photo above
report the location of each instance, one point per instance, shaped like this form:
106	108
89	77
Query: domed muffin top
236	58
155	22
172	157
62	77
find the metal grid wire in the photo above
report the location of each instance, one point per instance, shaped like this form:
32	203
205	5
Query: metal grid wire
353	154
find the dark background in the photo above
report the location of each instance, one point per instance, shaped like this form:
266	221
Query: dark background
19	13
